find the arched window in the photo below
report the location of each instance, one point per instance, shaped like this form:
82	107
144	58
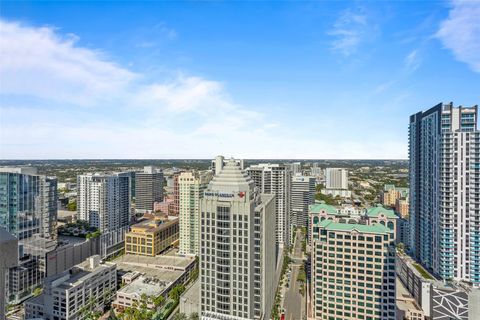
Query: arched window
382	222
390	225
315	220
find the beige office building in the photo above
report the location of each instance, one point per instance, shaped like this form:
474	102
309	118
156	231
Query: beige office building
151	237
353	271
191	186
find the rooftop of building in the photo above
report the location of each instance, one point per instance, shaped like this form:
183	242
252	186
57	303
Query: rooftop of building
231	178
153	225
415	267
165	267
38	300
374	212
266	166
151	286
79	273
21	170
318	207
6	236
375	228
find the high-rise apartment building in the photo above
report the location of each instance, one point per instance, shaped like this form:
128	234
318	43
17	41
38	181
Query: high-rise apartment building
75	293
444	152
28	203
148	189
391	194
191	187
104	200
237	248
296	167
275	179
176	193
316	170
302	195
353	271
336	182
336	178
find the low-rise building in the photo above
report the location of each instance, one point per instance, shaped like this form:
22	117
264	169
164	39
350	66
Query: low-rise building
150	276
151	237
85	288
407	307
439	300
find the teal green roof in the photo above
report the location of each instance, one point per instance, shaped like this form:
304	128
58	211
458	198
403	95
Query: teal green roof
376	211
373	228
388	187
316	208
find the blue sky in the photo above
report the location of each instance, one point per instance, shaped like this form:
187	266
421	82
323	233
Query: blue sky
247	79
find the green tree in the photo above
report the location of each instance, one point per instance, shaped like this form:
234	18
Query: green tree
176	292
158	301
194	316
37	291
180	316
72	206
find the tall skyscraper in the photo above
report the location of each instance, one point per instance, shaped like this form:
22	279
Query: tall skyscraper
444	152
28	203
28	210
176	193
275	179
148	189
353	271
191	185
302	195
237	250
104	200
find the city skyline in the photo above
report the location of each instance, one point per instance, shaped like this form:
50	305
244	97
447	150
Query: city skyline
311	80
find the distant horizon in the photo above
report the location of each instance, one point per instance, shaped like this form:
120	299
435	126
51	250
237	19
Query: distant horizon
201	159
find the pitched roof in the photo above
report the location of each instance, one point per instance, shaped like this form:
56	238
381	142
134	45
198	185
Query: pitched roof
335	226
376	211
317	207
232	178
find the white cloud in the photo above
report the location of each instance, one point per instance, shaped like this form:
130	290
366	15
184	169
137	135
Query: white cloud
38	62
412	61
183	94
46	80
460	32
349	31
